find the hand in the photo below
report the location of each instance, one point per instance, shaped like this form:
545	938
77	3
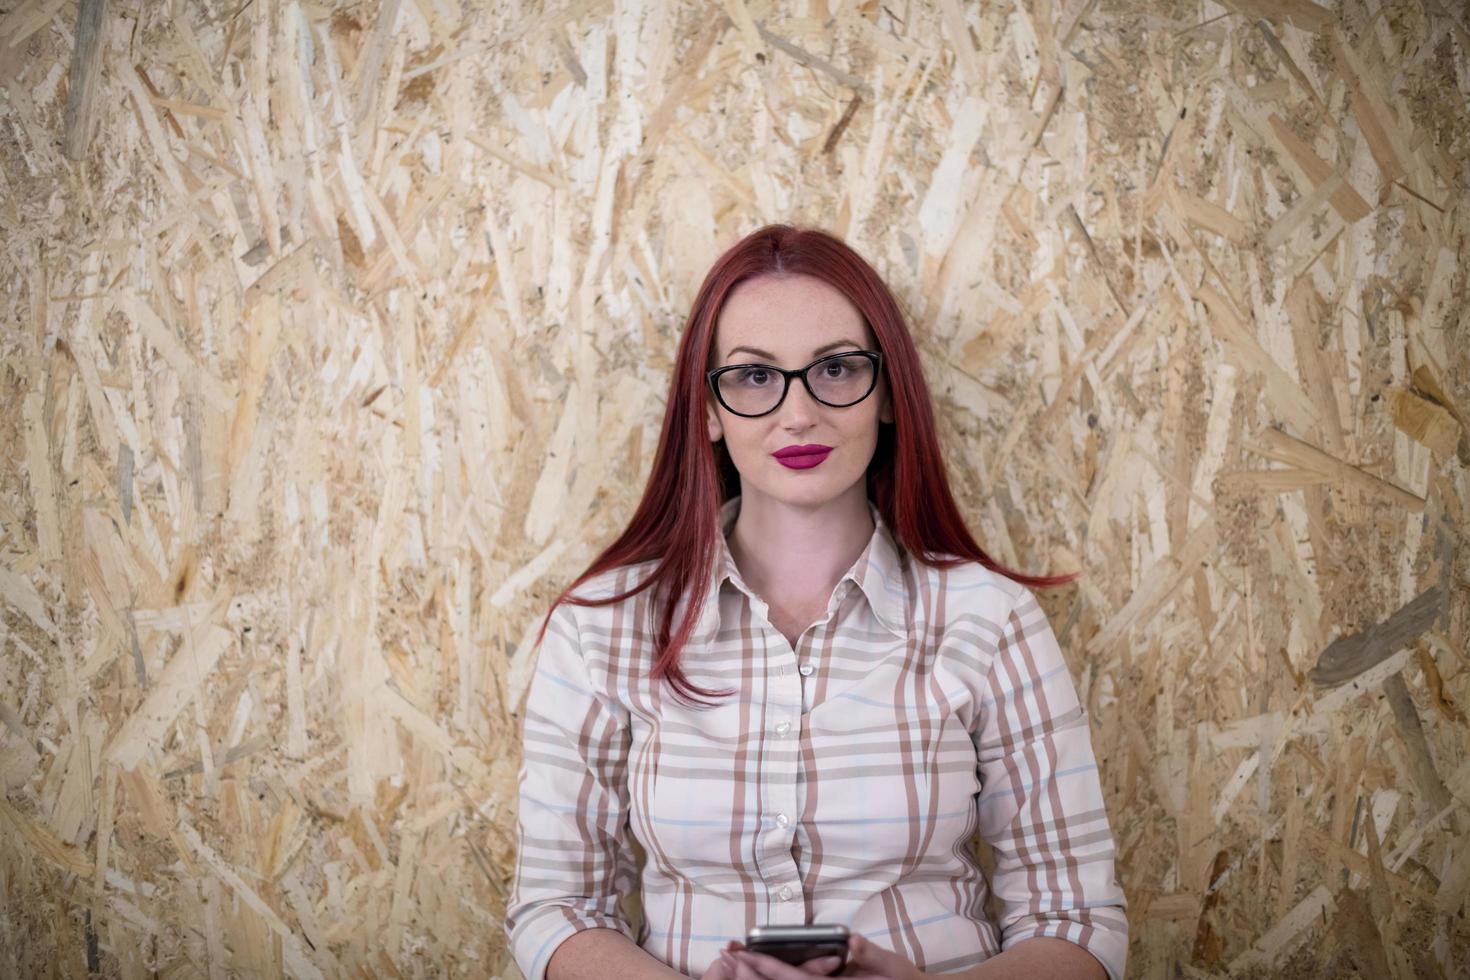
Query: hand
864	961
727	966
868	962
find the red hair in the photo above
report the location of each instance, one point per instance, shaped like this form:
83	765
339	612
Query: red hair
677	520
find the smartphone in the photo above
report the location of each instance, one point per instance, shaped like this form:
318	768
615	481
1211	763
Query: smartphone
797	944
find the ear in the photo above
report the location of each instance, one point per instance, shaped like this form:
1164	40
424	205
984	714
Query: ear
712	420
885	413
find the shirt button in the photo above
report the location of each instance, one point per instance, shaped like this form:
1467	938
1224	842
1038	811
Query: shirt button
781	820
785	893
783	727
806	670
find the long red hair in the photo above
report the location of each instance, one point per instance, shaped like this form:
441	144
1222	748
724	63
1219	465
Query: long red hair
677	520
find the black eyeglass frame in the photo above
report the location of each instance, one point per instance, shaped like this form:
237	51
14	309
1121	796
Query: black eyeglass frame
712	377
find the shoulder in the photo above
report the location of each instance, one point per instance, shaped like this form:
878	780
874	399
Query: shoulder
612	582
973	595
597	625
600	639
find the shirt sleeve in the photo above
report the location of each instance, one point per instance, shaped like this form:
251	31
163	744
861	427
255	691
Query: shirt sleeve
1041	803
574	861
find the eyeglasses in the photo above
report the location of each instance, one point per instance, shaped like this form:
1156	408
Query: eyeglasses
837	380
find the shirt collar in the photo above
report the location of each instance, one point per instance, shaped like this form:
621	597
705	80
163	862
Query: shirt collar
877	572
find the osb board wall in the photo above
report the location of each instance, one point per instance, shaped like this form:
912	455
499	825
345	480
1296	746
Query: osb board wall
336	337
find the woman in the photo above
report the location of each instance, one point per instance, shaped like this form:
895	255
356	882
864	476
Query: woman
886	691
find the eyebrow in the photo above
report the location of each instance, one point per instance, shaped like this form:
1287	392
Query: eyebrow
816	353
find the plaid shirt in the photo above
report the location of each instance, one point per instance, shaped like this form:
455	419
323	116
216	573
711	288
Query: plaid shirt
841	785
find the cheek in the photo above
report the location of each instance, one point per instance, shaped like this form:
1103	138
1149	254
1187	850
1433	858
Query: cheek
863	429
743	444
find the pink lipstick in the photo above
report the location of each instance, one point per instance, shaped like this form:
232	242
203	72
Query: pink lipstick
802	457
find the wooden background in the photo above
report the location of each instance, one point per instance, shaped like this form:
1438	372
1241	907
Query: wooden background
335	342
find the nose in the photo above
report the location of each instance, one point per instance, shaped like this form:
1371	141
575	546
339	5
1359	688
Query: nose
799	409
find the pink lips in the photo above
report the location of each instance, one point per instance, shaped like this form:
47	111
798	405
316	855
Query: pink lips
802	457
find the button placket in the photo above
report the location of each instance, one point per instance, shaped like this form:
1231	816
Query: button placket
782	773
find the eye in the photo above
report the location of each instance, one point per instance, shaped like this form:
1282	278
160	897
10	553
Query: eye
752	376
840	366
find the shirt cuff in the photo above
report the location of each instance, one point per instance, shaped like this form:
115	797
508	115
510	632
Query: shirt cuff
1101	937
538	934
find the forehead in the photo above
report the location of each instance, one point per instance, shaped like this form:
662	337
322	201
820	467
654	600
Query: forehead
788	315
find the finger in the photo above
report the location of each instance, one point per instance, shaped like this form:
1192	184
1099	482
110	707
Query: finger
870	958
770	968
717	970
740	970
727	964
822	966
744	970
734	969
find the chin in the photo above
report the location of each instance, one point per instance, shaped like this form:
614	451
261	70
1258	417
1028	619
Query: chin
805	488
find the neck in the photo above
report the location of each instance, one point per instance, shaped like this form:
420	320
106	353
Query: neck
782	549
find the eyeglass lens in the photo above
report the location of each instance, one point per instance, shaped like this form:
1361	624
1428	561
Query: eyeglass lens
839	382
